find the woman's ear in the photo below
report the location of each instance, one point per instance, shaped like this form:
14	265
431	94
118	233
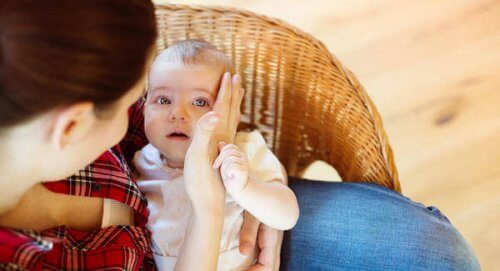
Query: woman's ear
72	124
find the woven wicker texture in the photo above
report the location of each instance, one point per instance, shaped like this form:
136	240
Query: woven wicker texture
307	105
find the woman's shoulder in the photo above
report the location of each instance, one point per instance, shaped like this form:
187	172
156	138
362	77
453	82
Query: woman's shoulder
108	177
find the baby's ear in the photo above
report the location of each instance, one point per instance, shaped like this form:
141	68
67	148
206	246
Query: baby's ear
72	124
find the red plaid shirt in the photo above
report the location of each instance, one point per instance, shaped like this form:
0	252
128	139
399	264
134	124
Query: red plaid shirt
110	248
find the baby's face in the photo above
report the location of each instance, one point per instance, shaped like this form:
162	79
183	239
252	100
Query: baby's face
178	96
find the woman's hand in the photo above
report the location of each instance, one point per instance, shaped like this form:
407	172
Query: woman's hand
203	183
268	240
207	195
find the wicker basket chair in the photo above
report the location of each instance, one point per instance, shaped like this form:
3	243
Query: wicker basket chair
305	103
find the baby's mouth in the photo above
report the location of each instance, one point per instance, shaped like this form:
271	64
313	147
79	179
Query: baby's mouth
178	136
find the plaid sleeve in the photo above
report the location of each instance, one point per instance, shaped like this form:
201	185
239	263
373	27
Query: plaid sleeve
22	249
135	138
60	248
112	248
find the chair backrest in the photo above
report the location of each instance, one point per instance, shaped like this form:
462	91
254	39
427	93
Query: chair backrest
306	104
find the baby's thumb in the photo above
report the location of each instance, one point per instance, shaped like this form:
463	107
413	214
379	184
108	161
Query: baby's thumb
204	129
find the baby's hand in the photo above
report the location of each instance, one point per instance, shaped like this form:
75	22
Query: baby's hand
233	165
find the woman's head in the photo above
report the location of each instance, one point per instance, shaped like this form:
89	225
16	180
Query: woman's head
70	69
55	53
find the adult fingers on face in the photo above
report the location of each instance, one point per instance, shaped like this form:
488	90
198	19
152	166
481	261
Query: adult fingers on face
242	94
235	100
223	101
248	233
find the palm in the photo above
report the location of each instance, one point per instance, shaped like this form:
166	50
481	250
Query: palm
203	182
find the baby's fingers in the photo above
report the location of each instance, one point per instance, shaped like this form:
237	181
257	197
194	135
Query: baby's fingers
234	176
227	151
232	168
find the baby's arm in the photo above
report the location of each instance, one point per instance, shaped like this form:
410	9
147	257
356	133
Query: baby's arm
271	202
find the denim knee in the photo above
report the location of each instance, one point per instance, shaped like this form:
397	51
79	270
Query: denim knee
359	226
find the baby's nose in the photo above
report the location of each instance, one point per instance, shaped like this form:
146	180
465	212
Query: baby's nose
178	114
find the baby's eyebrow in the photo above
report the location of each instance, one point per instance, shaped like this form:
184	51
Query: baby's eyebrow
205	90
159	88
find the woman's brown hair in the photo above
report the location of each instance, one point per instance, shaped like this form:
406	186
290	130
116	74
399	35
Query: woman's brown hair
58	52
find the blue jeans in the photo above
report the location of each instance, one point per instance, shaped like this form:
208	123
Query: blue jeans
360	226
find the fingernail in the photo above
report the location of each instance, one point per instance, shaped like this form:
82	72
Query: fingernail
213	119
237	77
245	248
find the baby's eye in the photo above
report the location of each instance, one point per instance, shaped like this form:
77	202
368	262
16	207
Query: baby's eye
200	102
163	100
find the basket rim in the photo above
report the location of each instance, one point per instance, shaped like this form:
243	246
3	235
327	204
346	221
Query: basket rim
376	120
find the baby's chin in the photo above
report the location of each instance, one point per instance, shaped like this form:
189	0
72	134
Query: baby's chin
173	162
173	157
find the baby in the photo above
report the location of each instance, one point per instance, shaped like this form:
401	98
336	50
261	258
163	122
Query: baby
183	85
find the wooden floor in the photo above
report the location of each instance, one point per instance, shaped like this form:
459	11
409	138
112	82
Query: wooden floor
433	70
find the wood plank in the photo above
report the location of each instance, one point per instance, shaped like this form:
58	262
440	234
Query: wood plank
442	125
433	70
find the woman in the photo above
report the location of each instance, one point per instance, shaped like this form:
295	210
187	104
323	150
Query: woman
69	71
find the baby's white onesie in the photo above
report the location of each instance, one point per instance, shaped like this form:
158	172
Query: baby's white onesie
170	207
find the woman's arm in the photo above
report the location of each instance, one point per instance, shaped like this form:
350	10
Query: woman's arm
200	250
204	186
201	247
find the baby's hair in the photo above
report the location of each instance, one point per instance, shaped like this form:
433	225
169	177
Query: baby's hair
196	51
